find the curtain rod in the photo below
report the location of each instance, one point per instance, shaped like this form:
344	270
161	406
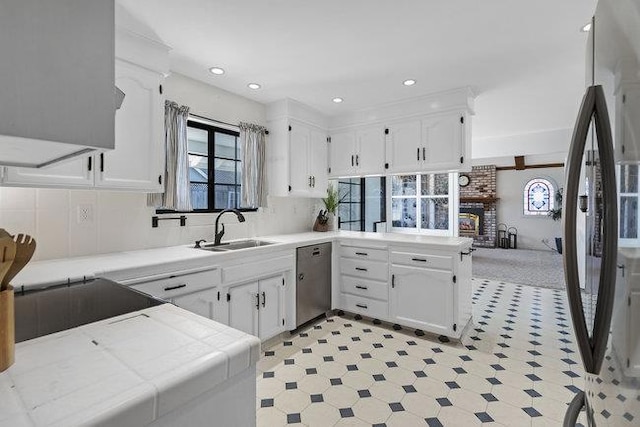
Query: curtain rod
218	121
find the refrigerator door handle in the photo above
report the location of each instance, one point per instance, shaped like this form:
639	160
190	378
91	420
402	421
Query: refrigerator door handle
592	350
570	255
571	416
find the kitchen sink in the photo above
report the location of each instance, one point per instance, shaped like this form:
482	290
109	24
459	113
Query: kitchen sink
232	246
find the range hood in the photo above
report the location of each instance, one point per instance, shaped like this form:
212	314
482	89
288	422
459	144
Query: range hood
56	80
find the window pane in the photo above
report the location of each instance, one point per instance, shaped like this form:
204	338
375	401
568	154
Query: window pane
403	212
435	184
226	196
403	185
225	146
198	168
199	195
197	141
629	178
224	171
628	217
435	213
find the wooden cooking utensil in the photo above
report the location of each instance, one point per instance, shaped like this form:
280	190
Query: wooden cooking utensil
7	254
25	247
4	233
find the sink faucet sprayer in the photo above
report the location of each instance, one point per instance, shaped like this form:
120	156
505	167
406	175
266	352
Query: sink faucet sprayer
218	235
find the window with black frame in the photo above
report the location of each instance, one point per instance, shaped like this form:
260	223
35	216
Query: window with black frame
215	167
362	203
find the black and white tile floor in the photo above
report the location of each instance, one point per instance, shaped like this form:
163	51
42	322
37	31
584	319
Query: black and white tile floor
517	365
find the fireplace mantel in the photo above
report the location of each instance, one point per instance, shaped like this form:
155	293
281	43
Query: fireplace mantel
482	199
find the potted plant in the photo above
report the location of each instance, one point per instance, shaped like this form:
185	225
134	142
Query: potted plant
331	204
556	215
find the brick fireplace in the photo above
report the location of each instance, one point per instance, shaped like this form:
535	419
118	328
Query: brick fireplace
477	216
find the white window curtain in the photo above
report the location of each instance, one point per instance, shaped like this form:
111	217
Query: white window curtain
254	174
177	190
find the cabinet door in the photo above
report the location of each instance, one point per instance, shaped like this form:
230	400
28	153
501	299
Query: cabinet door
318	163
299	176
201	303
443	142
370	150
342	154
243	308
404	143
137	163
422	298
271	307
633	334
628	125
73	173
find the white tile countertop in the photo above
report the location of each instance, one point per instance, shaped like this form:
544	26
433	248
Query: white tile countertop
128	370
58	271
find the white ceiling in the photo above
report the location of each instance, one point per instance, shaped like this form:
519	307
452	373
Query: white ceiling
524	59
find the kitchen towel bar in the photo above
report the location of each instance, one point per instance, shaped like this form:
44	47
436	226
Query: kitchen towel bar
155	219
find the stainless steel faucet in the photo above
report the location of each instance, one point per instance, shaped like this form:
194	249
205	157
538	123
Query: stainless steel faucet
218	235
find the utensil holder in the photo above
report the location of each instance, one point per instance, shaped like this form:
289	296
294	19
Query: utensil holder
7	329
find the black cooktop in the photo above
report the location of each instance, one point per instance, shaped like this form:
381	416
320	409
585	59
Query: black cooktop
44	311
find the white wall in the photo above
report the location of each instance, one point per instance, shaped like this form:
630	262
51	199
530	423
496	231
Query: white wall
122	221
531	229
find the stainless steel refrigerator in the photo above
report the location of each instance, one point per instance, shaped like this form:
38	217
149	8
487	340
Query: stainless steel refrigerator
600	220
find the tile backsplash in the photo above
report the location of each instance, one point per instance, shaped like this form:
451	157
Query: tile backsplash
68	223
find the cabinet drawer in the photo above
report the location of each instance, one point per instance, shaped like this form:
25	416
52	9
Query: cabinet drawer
173	286
366	269
365	288
364	253
443	262
365	306
253	269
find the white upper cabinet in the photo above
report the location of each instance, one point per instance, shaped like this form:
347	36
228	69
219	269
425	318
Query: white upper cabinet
435	143
75	173
308	160
56	80
404	147
342	154
627	124
370	156
444	142
357	152
296	150
137	163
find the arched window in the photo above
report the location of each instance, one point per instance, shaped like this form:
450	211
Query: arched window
538	197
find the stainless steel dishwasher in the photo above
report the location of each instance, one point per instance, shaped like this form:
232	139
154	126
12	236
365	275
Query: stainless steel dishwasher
313	282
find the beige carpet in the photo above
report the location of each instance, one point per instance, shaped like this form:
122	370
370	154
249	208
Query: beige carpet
522	266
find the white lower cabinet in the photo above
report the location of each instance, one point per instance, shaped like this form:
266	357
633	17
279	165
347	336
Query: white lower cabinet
243	307
431	289
257	308
417	286
364	273
204	303
422	298
625	321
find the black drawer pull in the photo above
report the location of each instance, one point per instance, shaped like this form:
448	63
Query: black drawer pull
362	253
171	288
361	269
419	259
361	287
362	306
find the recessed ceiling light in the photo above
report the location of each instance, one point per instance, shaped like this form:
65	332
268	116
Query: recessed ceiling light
409	82
254	86
337	100
216	70
586	28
